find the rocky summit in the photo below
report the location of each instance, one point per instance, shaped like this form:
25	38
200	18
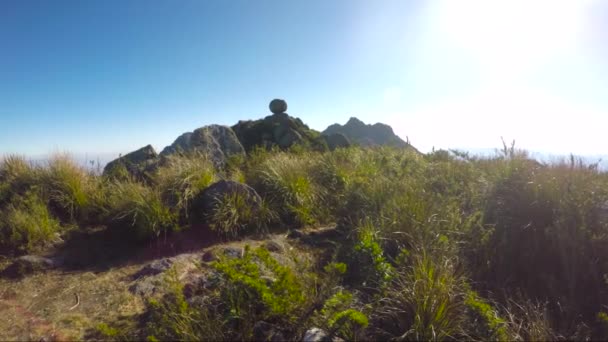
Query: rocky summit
367	135
279	129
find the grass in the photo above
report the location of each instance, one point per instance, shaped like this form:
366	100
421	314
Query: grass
431	247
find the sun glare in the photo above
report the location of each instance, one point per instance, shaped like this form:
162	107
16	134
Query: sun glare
508	38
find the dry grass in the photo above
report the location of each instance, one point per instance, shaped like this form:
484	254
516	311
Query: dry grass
39	306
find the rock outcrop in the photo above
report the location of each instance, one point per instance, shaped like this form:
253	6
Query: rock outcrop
137	164
278	129
336	140
218	142
366	135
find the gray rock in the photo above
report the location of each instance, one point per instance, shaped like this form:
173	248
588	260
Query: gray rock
29	264
216	141
278	106
204	203
137	164
274	246
316	335
367	135
336	140
154	268
180	145
233	252
147	286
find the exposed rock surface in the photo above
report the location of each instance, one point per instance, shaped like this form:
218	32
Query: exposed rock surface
203	204
137	163
366	135
154	268
218	142
29	264
278	129
336	140
316	335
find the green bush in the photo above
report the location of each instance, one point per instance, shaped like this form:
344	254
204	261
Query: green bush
26	224
258	288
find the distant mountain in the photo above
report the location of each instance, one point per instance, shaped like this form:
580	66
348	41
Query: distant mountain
367	135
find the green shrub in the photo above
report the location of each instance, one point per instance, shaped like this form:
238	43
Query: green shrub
26	224
367	264
485	322
257	288
172	318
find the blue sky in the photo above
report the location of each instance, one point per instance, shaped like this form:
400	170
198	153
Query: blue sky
111	76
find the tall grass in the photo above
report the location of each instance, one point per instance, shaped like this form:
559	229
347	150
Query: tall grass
182	178
68	187
138	210
26	225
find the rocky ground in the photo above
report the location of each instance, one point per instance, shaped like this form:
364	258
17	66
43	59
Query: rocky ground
49	298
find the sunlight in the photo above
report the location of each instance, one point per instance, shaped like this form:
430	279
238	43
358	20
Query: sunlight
509	38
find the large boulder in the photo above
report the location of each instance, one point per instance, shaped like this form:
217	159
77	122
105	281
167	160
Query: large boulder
278	106
204	203
279	129
138	164
216	141
367	135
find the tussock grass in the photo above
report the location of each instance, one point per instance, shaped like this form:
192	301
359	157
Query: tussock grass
26	224
68	187
182	178
139	210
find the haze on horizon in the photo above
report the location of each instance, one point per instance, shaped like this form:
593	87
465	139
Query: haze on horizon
112	76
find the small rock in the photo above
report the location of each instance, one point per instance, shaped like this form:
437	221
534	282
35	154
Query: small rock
146	286
209	256
154	268
274	246
29	264
233	252
316	335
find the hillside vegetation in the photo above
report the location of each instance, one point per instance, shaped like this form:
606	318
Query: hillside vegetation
426	247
